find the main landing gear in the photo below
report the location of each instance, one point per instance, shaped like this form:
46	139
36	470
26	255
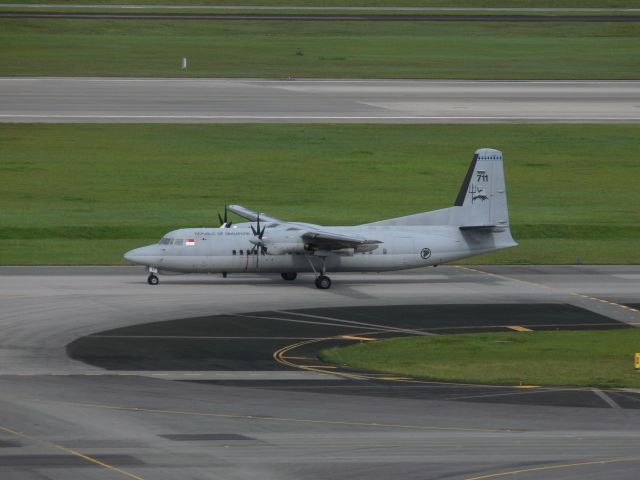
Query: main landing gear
323	282
289	276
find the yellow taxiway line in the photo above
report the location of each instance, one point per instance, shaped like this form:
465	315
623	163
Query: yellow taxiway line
551	467
72	452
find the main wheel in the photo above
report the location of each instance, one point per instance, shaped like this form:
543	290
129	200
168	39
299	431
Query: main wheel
289	276
323	282
153	280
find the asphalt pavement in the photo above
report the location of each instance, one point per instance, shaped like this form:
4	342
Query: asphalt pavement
103	376
140	100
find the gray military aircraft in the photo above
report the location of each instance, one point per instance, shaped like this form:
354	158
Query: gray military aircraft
477	223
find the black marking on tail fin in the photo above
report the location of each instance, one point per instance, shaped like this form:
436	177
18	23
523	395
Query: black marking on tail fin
465	185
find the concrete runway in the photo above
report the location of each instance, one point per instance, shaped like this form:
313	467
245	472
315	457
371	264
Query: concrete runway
260	406
113	100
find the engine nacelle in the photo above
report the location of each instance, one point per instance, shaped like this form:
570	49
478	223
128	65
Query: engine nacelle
285	248
368	247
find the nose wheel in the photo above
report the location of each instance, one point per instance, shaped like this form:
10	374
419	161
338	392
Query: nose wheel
323	282
153	280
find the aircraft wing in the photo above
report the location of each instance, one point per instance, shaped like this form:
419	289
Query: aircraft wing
326	240
251	215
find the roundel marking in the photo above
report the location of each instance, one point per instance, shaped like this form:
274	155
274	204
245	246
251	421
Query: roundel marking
425	253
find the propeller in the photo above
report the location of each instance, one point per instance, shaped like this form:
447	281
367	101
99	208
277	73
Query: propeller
224	222
257	240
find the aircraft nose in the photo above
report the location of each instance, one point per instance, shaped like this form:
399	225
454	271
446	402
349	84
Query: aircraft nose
134	256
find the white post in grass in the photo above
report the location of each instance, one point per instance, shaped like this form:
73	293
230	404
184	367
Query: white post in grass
184	63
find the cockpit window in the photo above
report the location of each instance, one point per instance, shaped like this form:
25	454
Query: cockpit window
165	241
178	241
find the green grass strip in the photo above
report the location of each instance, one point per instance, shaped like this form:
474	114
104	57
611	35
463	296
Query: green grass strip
281	49
572	189
576	358
367	3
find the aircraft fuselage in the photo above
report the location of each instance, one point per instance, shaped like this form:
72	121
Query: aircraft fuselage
229	250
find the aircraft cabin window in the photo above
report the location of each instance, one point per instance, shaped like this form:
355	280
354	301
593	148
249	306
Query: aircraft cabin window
241	252
234	252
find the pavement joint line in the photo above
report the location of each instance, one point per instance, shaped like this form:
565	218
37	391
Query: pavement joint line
292	419
293	320
530	389
551	467
72	452
606	398
354	322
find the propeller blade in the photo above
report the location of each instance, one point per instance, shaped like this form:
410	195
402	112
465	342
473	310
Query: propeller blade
226	218
224	221
258	246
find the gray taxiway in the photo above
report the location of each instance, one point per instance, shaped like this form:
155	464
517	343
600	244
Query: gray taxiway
112	100
62	418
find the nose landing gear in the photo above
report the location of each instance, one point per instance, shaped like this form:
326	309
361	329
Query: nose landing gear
153	279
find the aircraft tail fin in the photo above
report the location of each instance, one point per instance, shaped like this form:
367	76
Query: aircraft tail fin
482	198
481	204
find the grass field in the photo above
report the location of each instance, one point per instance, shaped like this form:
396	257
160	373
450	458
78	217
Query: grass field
577	358
83	194
340	3
532	50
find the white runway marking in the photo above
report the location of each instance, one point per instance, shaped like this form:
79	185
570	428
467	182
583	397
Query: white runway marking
170	100
288	118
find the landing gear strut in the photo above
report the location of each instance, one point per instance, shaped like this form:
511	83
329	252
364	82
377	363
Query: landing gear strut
323	282
289	276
